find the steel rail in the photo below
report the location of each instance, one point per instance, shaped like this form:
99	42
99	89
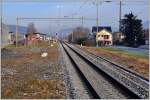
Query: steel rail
94	84
133	83
91	90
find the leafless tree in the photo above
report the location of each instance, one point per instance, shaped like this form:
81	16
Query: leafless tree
80	34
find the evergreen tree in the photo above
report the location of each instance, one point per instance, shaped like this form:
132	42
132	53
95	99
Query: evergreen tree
133	30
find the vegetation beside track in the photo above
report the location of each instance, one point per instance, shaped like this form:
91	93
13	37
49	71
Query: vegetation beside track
134	61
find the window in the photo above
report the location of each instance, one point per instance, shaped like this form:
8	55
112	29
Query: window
106	36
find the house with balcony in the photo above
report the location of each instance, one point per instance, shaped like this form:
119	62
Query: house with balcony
103	35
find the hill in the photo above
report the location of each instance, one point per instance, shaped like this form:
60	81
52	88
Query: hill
21	29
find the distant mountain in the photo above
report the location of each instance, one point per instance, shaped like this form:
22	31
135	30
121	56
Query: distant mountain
21	29
146	25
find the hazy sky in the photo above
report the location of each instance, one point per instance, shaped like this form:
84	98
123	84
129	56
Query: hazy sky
108	13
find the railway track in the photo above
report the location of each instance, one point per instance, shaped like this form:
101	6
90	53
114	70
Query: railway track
106	80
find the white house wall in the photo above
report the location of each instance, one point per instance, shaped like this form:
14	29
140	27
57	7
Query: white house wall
104	32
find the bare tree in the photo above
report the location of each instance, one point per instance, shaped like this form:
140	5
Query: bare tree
31	28
80	34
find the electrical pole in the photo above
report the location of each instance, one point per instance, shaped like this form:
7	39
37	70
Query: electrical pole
82	21
97	14
73	26
59	15
97	10
1	15
120	14
17	33
72	29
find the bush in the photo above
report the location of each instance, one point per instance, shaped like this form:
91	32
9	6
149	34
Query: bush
80	40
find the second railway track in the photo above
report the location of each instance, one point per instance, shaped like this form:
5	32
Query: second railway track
107	85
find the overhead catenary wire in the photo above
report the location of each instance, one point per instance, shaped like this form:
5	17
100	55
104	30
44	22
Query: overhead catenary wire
70	0
46	18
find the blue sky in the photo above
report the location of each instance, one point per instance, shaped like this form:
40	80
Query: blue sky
108	14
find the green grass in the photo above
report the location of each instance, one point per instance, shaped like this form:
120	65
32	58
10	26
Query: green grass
134	54
137	54
113	49
10	46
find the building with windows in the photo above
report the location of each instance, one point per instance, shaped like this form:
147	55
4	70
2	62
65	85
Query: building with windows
36	37
118	37
146	36
103	36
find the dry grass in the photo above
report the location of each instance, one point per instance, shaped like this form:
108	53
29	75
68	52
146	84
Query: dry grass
27	80
138	64
34	89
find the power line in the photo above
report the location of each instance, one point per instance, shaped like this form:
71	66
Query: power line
71	0
63	18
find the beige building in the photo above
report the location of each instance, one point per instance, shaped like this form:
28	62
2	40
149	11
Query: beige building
146	36
104	38
118	37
